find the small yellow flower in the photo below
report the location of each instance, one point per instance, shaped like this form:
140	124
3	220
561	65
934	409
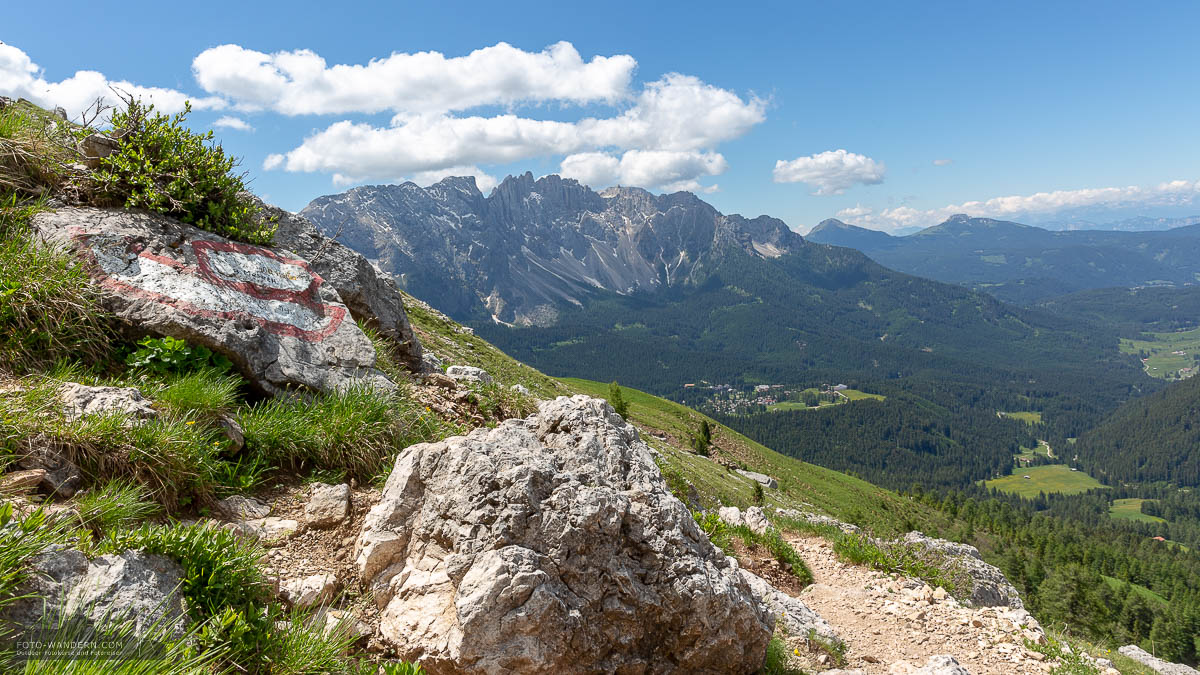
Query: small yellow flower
191	422
796	652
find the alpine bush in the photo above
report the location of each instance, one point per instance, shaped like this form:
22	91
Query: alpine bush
161	165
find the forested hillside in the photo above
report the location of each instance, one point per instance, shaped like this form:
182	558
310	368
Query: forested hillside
1150	439
947	358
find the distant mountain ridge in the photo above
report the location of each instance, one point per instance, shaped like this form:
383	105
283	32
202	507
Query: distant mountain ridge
532	247
1022	263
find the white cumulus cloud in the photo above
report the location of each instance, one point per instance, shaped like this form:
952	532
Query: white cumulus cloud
235	123
943	162
832	172
670	170
300	82
665	139
1013	206
20	77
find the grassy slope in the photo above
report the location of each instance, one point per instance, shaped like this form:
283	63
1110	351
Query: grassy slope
1117	584
1161	347
454	346
668	426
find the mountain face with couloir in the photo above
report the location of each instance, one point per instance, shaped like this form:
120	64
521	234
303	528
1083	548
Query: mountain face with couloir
535	247
1025	264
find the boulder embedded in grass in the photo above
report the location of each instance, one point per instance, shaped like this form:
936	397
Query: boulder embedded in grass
263	308
469	374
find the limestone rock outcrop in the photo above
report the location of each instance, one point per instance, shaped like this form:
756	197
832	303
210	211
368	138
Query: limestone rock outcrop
552	545
1154	663
80	400
795	616
132	586
990	587
264	308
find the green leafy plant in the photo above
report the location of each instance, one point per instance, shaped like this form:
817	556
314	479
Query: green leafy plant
776	661
167	355
161	165
222	583
242	475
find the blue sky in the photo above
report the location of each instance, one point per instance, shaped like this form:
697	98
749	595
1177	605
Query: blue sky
1041	108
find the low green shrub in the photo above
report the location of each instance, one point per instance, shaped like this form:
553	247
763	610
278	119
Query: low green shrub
168	355
204	391
776	661
306	647
900	558
721	535
161	165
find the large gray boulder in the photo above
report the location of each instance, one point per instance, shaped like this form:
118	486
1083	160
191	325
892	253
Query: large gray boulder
264	308
135	587
990	588
371	295
795	616
552	545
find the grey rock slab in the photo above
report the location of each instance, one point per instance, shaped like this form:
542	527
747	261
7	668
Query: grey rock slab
132	586
756	520
552	545
239	507
370	294
794	615
468	374
270	531
61	478
762	478
310	591
80	400
1154	663
990	588
327	505
264	308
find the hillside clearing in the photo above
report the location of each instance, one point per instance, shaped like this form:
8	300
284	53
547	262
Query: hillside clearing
1131	509
1049	478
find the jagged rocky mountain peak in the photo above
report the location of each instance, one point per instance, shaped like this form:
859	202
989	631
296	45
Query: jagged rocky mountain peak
536	245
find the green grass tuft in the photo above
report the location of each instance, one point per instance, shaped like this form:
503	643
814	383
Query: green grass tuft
358	430
49	308
116	504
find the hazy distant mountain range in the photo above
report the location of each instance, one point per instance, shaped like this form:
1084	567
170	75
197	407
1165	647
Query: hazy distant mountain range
1022	263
